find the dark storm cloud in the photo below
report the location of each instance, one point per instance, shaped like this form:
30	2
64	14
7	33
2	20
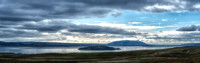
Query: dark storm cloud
54	26
17	19
6	23
35	10
190	28
2	26
23	10
99	29
17	33
47	26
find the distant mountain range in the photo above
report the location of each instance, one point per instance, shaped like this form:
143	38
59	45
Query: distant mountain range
191	44
127	43
115	43
135	43
43	44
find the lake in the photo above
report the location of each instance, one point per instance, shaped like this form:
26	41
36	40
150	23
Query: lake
39	50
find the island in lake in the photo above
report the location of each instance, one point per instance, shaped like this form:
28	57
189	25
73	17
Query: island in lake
98	48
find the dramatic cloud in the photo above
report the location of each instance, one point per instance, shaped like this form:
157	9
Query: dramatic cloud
54	26
173	37
190	28
47	26
17	19
99	29
25	10
18	33
1	26
35	18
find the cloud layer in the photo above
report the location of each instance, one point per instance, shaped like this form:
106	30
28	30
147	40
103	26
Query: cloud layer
190	28
23	10
38	18
55	26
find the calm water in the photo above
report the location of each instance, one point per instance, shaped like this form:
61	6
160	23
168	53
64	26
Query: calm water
38	50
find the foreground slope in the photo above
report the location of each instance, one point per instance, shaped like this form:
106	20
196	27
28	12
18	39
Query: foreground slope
173	55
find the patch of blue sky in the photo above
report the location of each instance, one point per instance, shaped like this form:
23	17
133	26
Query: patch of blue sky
167	20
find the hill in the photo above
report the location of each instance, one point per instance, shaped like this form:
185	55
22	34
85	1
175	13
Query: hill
127	43
191	44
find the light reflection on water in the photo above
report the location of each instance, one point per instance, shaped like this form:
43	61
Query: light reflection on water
38	50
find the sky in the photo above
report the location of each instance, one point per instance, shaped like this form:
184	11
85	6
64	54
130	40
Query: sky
100	21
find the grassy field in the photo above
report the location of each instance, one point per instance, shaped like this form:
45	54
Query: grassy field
173	55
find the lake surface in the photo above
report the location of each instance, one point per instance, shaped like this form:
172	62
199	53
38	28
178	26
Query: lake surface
39	50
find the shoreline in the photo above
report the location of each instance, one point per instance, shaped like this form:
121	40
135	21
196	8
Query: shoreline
65	49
